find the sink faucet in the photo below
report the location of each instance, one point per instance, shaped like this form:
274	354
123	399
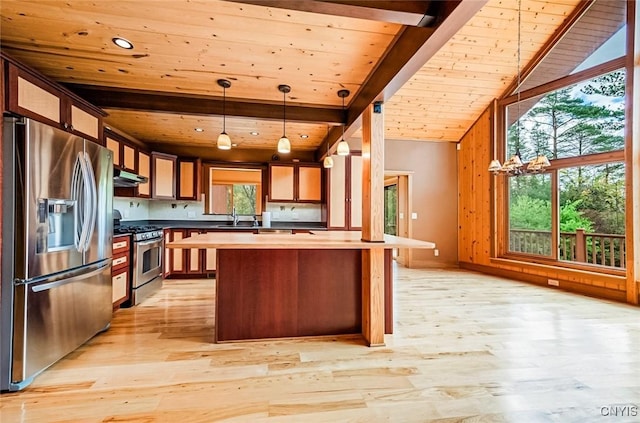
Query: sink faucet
234	216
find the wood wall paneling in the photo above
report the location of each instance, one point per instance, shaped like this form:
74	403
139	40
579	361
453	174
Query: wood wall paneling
477	231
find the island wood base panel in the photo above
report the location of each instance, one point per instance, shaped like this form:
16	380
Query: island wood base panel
289	293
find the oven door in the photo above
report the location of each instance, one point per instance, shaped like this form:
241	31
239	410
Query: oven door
147	261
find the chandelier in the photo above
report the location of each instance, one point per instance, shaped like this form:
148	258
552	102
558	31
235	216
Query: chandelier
515	166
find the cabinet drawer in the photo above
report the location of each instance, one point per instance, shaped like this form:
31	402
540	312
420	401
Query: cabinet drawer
121	244
120	260
119	283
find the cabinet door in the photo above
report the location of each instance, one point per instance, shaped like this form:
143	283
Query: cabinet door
177	262
338	193
119	284
129	158
309	183
188	179
32	97
168	253
195	264
163	176
355	203
114	146
84	123
281	183
209	264
144	169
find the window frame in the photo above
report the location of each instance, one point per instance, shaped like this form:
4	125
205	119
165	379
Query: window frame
501	246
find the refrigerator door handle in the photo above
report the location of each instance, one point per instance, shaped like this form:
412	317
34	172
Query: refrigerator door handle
93	199
76	196
64	279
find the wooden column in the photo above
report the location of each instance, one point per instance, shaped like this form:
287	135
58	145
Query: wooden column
632	152
373	224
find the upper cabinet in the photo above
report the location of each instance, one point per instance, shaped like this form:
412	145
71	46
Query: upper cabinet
345	193
163	176
295	182
144	169
32	95
188	182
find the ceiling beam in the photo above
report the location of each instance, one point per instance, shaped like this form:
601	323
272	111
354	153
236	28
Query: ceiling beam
411	13
409	51
153	101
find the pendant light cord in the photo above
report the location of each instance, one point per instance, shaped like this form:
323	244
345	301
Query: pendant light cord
343	125
284	113
224	114
519	75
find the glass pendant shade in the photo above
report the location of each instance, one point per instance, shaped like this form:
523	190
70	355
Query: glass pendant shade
224	142
328	162
284	146
343	148
495	166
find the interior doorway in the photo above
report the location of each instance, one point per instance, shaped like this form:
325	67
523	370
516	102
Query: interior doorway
397	210
391	208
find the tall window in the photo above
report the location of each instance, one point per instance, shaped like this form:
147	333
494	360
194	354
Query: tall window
574	212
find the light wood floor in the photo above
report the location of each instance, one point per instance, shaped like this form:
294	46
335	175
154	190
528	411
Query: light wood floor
467	348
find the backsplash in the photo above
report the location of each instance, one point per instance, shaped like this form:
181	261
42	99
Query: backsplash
292	212
143	209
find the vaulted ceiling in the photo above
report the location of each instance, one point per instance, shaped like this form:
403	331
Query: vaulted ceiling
435	64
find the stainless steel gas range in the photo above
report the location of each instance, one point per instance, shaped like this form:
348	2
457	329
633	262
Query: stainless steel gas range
146	261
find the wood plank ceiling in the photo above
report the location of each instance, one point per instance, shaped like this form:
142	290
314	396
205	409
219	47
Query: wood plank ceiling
165	87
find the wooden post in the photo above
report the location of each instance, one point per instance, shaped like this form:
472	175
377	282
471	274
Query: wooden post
581	246
373	224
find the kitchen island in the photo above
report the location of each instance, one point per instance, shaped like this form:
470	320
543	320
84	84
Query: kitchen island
289	285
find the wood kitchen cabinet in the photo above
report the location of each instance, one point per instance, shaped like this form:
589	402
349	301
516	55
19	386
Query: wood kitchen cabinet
190	262
163	176
144	169
174	258
344	204
33	95
120	269
188	182
296	182
125	154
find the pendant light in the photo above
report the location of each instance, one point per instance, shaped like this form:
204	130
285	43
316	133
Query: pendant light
284	146
328	160
343	146
224	142
515	166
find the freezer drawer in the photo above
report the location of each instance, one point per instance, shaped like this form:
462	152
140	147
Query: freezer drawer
53	318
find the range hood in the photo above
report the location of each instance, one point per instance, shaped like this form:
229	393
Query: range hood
124	179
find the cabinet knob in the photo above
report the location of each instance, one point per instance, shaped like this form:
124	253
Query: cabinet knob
66	125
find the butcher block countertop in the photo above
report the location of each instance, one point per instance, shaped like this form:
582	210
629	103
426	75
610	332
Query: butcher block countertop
322	240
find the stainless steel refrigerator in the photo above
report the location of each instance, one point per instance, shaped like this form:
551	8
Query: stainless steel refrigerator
57	234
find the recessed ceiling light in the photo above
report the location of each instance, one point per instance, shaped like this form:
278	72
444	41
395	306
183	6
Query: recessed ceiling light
199	130
304	136
234	145
254	133
122	43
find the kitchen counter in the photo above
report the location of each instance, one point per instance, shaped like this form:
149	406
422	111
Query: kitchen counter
289	285
324	240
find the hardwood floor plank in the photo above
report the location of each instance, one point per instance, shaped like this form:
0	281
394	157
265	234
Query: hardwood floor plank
466	348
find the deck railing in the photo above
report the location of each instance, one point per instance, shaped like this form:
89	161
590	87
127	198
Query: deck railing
595	248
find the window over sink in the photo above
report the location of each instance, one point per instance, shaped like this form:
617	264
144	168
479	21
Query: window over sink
227	188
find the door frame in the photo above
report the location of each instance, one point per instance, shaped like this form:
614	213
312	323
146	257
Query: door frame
404	180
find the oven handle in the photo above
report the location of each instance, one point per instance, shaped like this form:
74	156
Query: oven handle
149	242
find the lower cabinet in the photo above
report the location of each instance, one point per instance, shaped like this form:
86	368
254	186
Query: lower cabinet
120	273
191	262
